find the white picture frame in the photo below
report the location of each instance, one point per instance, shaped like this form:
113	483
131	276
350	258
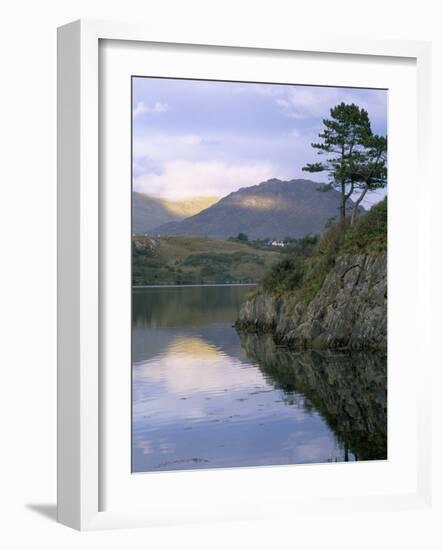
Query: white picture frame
80	293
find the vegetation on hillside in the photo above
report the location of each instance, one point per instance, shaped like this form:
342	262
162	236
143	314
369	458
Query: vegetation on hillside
305	270
285	246
197	260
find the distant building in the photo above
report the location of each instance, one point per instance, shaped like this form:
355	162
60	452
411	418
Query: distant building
277	243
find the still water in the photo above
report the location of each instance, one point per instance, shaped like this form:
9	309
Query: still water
206	397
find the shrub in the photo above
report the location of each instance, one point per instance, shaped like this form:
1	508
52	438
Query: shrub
305	268
285	275
369	233
332	238
303	246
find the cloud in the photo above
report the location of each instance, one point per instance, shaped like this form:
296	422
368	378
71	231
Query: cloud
295	134
183	178
190	140
306	102
141	108
229	135
167	146
232	148
260	89
235	159
287	108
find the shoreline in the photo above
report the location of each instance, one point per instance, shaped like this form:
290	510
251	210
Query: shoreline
134	287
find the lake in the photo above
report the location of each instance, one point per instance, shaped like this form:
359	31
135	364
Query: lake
205	396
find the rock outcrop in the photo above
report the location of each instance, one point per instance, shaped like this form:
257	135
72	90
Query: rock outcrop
348	312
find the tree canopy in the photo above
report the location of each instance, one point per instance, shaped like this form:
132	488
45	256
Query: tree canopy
355	158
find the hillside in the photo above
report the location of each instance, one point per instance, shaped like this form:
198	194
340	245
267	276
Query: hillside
335	297
149	212
273	209
196	260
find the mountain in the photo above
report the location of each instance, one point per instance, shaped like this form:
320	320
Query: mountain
149	212
273	209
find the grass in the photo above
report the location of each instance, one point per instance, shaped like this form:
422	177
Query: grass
196	260
369	234
304	272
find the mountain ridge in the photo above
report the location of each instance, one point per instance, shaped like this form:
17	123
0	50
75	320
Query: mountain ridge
273	209
149	211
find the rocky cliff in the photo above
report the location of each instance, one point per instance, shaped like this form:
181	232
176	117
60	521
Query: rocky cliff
349	310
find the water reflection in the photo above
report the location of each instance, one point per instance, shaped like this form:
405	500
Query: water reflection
204	397
349	390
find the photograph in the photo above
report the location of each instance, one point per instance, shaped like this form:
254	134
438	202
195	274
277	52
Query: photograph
230	338
259	274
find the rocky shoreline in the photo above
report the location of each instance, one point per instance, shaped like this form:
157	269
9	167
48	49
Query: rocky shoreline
348	312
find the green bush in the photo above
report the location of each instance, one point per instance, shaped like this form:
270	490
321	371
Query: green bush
305	268
303	246
285	275
369	233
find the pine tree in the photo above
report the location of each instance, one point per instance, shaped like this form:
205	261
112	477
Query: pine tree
371	169
344	139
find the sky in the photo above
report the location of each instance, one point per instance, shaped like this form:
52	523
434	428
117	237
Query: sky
194	138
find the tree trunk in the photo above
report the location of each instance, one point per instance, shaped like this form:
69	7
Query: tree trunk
343	201
354	212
